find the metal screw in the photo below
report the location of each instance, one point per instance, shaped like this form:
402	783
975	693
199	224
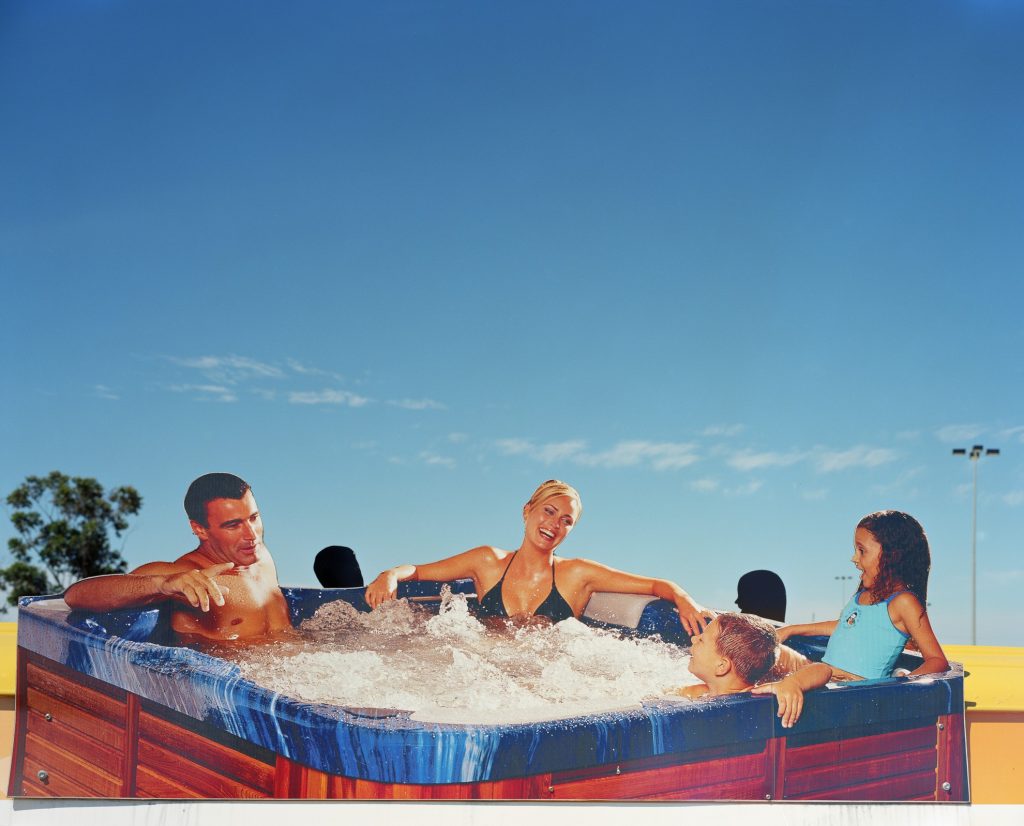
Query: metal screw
942	726
43	776
48	717
947	786
551	789
767	797
618	769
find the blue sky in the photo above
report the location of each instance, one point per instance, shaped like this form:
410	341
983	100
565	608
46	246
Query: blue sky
740	272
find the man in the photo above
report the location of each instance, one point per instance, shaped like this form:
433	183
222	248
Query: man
225	589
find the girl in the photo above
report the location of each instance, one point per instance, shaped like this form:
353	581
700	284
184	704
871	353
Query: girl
890	550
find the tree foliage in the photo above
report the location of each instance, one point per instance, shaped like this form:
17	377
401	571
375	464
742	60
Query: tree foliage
64	527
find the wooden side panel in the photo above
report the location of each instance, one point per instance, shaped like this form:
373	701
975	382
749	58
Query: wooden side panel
919	786
877	767
211	757
705	780
70	740
71	737
839	751
67	771
92	696
16	784
952	763
205	781
149	783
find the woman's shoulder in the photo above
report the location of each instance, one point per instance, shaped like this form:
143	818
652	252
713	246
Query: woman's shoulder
576	566
490	554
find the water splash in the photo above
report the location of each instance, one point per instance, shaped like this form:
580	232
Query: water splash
450	667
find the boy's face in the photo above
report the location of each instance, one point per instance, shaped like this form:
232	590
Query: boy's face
704	656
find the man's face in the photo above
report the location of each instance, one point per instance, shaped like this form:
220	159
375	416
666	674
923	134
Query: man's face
235	532
704	656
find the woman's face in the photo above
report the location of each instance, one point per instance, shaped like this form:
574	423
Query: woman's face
548	522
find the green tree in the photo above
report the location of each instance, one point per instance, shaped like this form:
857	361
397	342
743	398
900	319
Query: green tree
64	525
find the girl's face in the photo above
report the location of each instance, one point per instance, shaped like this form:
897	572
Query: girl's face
867	556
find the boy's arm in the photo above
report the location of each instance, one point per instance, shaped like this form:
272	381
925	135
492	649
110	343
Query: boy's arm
790	691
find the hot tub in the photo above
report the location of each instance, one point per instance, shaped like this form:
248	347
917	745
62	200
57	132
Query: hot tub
104	710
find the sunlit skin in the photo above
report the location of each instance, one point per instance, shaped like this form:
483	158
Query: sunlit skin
905	611
527	582
225	589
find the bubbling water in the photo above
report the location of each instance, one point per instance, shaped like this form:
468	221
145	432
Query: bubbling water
450	667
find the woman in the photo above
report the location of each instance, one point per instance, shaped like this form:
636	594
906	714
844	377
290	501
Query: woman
532	581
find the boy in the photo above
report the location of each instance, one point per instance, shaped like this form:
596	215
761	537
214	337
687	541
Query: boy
731	655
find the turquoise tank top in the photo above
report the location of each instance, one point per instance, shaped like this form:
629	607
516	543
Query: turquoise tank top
865	641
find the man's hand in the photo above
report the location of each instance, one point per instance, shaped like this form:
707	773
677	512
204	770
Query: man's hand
382	589
197	588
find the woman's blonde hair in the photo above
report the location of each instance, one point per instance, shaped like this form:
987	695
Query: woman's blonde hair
554	487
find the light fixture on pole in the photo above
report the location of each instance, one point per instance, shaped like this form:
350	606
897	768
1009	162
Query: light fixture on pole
975	453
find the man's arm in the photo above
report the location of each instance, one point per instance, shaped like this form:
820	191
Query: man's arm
154	582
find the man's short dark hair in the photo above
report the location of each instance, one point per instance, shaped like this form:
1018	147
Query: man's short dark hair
209	487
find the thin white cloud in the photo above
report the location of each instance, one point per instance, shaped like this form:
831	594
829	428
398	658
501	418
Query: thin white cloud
457	438
722	430
958	433
815	495
339	397
1014	498
704	485
434	459
829	461
515	447
560	451
749	460
418	404
305	370
1013	433
206	391
746	489
229	369
659	455
104	392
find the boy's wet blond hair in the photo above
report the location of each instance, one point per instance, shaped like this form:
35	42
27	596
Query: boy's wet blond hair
554	487
749	642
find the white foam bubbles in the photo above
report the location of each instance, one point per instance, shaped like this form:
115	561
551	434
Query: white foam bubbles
450	667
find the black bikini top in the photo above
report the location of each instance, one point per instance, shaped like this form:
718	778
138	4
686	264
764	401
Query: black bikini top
554	606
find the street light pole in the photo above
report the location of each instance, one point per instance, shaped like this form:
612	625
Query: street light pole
842	590
976	452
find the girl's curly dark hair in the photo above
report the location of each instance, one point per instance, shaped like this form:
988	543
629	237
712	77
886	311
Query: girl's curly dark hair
906	558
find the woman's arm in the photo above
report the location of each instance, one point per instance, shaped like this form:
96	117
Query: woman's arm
914	621
810	629
598	577
462	565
